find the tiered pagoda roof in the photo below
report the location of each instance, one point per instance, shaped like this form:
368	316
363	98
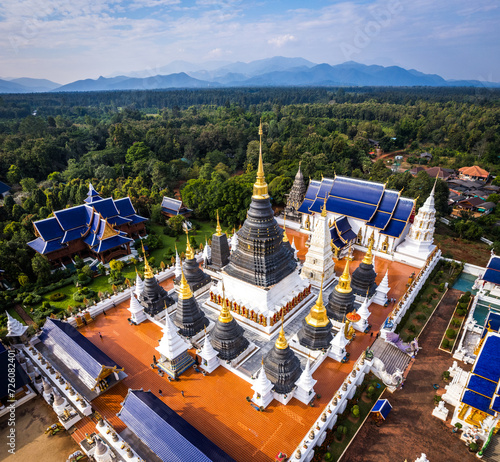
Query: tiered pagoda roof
296	196
195	276
363	277
341	299
378	207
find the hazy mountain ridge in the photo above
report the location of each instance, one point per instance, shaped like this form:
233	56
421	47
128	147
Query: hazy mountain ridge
277	71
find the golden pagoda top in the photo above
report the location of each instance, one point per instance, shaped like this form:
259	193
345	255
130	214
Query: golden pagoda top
189	249
281	342
317	317
218	230
285	237
184	289
225	315
344	285
260	190
323	210
148	272
368	258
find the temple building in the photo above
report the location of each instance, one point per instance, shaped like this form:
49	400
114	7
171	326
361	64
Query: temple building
101	228
341	299
363	278
195	276
295	197
261	279
319	265
228	336
316	330
220	248
282	365
363	207
15	330
189	318
172	207
154	298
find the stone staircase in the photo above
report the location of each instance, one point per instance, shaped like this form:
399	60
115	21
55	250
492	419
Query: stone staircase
492	452
392	357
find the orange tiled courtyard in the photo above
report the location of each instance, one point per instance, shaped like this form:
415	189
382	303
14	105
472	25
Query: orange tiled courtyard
216	403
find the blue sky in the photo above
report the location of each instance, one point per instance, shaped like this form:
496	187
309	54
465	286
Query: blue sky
66	40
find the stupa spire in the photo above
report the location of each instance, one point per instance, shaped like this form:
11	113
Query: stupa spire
368	258
344	285
225	315
323	210
285	237
148	272
189	249
260	190
317	317
218	230
281	342
185	292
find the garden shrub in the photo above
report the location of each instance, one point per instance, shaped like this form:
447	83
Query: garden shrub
451	333
412	328
441	287
461	312
82	293
445	344
456	322
32	299
421	317
56	296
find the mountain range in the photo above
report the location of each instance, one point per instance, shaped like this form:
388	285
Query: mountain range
277	71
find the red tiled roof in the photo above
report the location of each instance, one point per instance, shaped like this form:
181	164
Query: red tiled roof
474	171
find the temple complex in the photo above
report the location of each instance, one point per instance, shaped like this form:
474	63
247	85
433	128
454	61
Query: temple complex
154	298
219	249
341	299
102	229
295	197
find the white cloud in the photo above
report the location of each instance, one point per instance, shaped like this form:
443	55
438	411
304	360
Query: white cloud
281	40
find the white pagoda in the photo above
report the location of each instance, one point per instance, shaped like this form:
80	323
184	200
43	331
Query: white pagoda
319	257
15	329
178	266
305	385
380	297
338	344
263	389
209	359
364	312
137	314
139	285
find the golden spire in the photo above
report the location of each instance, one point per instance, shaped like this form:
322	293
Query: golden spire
260	185
368	258
344	285
225	315
148	272
184	290
323	210
218	230
285	237
281	342
317	317
189	250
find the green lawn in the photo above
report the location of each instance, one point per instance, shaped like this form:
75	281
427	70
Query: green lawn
14	314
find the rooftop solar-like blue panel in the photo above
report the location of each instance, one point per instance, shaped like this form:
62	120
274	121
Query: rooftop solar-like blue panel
71	218
325	188
488	364
379	220
165	432
111	243
492	276
481	386
495	404
394	228
345	207
494	263
403	209
389	201
357	190
312	190
49	229
106	207
479	402
75	350
73	234
304	207
125	207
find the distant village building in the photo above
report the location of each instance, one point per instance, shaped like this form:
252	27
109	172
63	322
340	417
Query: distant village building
100	228
426	155
4	190
172	207
473	173
441	173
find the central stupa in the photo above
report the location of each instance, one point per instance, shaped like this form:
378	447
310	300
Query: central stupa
261	280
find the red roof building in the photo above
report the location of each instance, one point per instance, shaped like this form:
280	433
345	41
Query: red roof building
474	173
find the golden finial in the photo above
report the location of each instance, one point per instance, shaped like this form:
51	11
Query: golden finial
317	317
344	285
285	237
189	250
260	186
184	289
323	210
368	258
148	272
218	230
281	342
225	315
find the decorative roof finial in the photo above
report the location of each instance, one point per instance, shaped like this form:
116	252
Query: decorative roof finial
368	258
225	315
148	272
344	285
285	237
260	186
184	289
218	230
189	249
317	317
281	342
323	210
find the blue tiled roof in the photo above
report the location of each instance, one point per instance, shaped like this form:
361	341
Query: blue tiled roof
20	377
493	321
488	362
389	201
92	200
357	190
73	217
4	188
106	207
137	219
325	188
304	207
73	234
111	243
495	405
379	220
492	276
494	263
125	206
49	229
346	207
481	386
171	204
76	351
383	407
479	402
394	228
118	221
40	246
312	190
403	209
165	432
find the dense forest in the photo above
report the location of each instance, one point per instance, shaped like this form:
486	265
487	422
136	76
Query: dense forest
205	142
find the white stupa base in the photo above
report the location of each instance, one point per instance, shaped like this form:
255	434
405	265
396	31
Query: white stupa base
416	251
380	297
138	317
441	414
314	273
304	396
361	326
284	399
209	365
263	400
196	338
337	353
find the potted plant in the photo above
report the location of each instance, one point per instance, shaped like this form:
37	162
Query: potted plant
457	427
473	447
